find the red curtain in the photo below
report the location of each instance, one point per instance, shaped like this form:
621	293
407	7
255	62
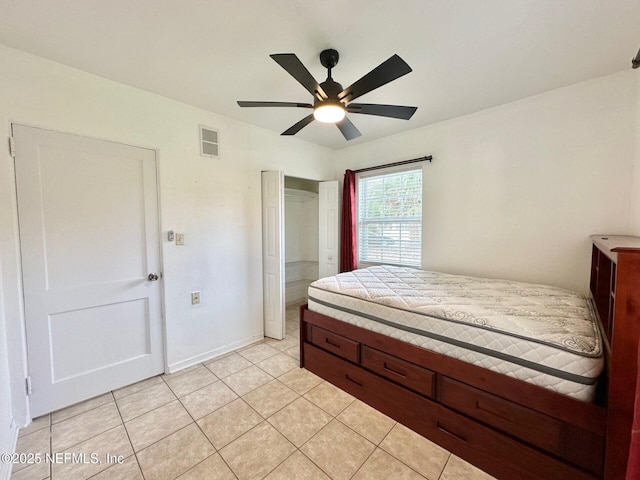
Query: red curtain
348	259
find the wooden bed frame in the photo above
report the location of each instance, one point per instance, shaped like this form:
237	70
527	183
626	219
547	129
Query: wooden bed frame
509	428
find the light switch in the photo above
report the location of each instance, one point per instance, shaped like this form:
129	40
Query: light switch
195	298
179	238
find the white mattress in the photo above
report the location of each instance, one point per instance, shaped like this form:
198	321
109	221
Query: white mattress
543	335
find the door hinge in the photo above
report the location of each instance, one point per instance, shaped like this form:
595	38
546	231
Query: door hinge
28	385
12	147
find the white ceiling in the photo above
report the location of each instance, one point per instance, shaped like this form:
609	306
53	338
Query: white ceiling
466	55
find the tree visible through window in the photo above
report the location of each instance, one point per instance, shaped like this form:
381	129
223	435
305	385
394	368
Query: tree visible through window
390	218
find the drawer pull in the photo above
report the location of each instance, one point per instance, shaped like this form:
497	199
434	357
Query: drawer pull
449	432
391	370
352	380
333	344
491	411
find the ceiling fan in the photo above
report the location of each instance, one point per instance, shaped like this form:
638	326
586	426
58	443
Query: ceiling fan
331	102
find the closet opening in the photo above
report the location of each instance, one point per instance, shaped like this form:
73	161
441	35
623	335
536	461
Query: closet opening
299	241
301	237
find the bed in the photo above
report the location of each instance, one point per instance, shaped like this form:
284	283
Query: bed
504	374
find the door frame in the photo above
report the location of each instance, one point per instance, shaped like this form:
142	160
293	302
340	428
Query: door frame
18	248
283	217
273	266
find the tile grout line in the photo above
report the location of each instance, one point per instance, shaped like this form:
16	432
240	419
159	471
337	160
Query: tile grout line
311	460
66	448
375	447
325	411
445	466
138	391
405	463
79	413
220	378
148	411
158	441
86	440
198	366
251	429
129	439
195	422
266	419
287	458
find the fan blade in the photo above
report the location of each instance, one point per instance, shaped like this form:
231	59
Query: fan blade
348	129
393	111
292	64
298	126
274	104
387	71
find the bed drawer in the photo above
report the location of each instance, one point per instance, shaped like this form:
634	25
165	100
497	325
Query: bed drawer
410	375
507	416
498	454
397	402
336	344
576	445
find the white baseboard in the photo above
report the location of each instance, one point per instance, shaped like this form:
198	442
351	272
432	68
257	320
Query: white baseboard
211	354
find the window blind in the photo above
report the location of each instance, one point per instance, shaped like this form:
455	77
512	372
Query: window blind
390	218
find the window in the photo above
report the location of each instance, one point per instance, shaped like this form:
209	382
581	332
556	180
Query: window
390	218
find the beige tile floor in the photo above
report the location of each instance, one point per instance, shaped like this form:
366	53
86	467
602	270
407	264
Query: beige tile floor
252	414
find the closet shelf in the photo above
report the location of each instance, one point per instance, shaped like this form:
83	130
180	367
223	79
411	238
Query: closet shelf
298	283
301	263
299	195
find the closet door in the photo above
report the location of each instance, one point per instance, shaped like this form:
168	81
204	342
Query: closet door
273	254
328	218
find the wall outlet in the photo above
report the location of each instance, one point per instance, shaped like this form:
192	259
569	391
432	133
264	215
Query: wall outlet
195	298
179	238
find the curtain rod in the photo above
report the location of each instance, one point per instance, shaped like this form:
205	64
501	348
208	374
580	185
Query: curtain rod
427	158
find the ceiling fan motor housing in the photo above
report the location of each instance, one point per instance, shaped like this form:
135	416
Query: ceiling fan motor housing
331	88
329	58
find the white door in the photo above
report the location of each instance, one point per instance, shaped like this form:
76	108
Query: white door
273	254
328	227
88	213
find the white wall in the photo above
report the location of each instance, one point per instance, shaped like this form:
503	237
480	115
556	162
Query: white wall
301	228
635	180
516	190
215	203
8	428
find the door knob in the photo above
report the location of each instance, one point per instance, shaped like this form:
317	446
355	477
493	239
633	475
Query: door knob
152	277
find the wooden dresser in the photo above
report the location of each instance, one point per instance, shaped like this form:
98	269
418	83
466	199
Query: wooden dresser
615	289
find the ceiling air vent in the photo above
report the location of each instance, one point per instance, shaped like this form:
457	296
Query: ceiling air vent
209	142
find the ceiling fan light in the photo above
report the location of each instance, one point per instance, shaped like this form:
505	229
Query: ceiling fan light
329	112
